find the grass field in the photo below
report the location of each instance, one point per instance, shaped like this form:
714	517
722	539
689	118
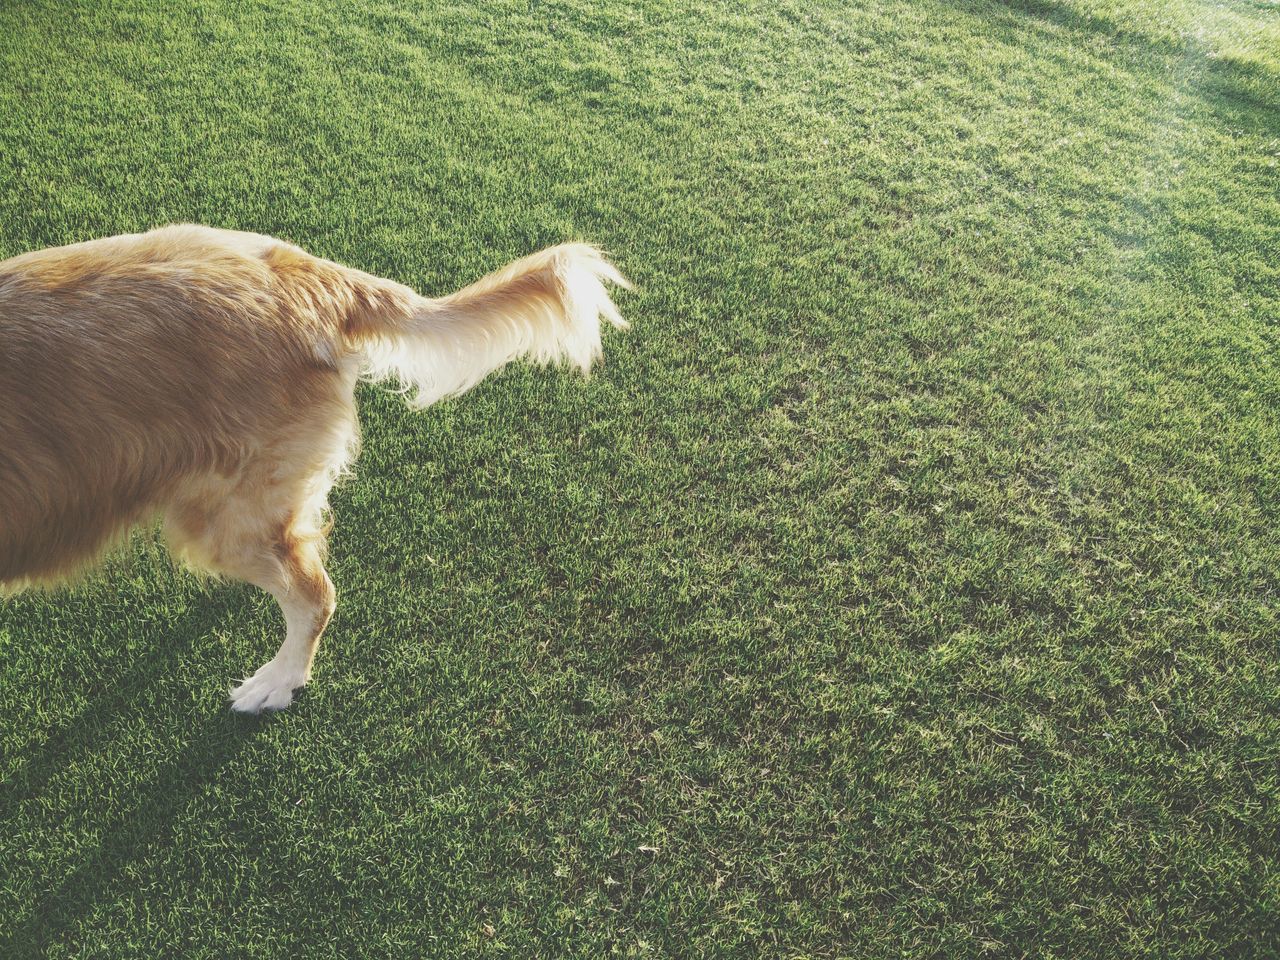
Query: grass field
905	584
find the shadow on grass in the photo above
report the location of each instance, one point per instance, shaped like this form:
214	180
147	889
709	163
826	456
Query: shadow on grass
153	804
1246	92
118	697
156	805
1099	24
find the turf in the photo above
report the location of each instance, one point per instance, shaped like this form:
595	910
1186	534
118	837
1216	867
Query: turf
904	585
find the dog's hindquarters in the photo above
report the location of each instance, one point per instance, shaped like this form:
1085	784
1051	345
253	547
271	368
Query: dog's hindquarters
208	377
130	368
546	308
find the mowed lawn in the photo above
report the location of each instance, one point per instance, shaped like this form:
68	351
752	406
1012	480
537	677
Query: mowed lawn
905	583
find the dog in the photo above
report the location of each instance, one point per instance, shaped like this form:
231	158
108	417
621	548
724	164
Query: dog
207	378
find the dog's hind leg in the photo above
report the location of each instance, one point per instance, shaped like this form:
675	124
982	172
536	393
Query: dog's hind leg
306	596
281	554
268	533
264	523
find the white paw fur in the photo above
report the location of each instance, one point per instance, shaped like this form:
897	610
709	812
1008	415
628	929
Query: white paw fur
270	688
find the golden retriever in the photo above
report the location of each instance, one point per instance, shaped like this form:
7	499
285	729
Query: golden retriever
207	377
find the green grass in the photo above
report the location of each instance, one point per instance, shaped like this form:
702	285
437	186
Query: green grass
904	585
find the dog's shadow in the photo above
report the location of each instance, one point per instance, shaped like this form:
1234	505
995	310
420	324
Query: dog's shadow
148	806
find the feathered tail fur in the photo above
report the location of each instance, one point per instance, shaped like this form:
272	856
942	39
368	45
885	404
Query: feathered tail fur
545	308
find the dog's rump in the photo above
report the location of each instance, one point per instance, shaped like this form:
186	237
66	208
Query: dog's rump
129	364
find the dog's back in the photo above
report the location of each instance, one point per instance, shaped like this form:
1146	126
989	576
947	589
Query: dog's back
134	364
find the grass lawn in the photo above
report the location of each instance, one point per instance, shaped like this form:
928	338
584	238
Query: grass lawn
906	584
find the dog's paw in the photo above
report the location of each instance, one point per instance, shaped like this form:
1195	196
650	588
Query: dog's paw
271	688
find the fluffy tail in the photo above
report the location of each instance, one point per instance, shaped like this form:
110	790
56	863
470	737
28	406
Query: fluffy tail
545	308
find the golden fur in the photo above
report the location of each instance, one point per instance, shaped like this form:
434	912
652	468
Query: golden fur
207	377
